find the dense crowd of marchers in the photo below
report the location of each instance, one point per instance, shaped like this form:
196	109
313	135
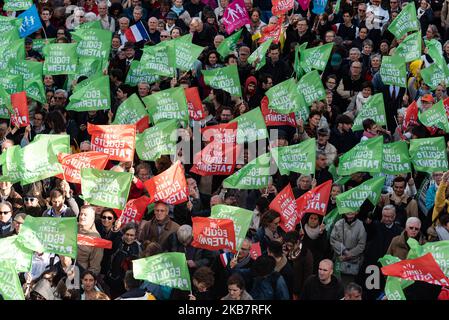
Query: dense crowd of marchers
334	189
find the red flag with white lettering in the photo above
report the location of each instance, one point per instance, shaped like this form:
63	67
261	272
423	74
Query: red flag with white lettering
410	116
272	31
315	200
272	118
281	6
116	140
72	164
84	240
255	251
424	268
169	186
194	103
213	234
143	124
216	159
220	133
21	114
284	203
134	210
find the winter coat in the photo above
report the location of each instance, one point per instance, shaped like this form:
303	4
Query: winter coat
315	290
399	247
89	258
148	230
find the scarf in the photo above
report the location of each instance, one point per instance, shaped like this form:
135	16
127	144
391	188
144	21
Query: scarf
420	12
313	233
443	234
177	10
292	255
360	100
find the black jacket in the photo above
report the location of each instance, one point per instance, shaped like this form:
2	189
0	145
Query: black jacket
278	70
315	290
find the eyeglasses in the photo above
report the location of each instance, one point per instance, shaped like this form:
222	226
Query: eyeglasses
109	218
361	10
413	228
5	212
29	199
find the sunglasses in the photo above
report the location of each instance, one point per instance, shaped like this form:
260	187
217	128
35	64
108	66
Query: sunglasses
104	218
413	228
29	199
5	212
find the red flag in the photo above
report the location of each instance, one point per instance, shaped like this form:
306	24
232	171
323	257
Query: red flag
315	200
213	234
220	133
272	118
194	103
410	116
281	6
255	251
89	241
72	164
272	32
235	16
446	106
304	4
21	114
134	210
143	124
285	204
170	186
116	140
424	268
216	159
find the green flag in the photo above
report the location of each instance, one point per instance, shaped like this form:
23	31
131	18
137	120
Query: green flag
366	156
12	83
5	104
137	73
15	50
88	67
130	111
11	171
373	108
254	175
39	44
182	53
96	24
169	104
38	161
395	158
106	188
17	5
226	78
96	96
285	98
31	71
251	126
337	178
393	288
296	64
9	23
311	87
166	269
13	251
435	50
260	54
93	43
241	217
435	117
155	60
316	58
10	287
429	154
330	219
229	44
157	140
352	200
410	48
434	75
405	22
59	143
439	250
49	234
393	71
337	6
298	158
60	58
8	37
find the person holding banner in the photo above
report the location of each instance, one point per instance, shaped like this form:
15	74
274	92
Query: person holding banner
269	230
89	258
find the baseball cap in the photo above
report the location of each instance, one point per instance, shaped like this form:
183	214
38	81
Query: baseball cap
427	98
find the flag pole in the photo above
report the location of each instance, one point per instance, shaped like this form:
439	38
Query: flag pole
185	253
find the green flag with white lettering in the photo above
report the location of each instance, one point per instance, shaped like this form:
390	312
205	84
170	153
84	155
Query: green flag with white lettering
11	171
393	71
251	126
410	48
50	234
260	54
10	23
296	64
439	250
435	50
96	24
366	156
59	143
17	5
373	108
60	58
182	53
226	78
155	60
406	21
434	75
311	87
428	154
393	287
88	67
229	44
285	98
106	188
14	50
166	105
31	71
157	140
10	286
96	96
137	73
253	175
330	219
16	253
39	44
435	117
166	269
241	217
93	43
352	200
298	158
12	83
395	158
315	58
5	104
130	111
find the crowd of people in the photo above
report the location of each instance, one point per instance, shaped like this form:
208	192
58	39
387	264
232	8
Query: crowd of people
313	262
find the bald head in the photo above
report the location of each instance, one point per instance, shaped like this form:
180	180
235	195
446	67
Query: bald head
325	271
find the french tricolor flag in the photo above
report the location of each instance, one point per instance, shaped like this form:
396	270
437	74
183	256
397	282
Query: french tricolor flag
137	32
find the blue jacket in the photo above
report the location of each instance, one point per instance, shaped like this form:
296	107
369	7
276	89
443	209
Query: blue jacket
271	287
